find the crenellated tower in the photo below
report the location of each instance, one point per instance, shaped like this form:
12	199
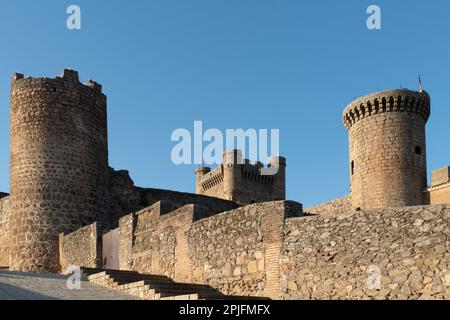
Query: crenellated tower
242	182
58	165
388	149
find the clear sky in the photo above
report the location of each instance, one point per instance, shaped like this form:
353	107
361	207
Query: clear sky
291	65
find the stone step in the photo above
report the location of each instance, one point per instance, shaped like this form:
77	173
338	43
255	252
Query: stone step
156	287
90	271
169	290
96	276
172	285
106	276
129	279
182	297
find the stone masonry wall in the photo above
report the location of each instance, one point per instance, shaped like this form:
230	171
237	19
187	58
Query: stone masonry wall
127	198
439	194
240	250
233	262
341	205
179	199
154	240
80	248
274	250
4	231
334	256
236	252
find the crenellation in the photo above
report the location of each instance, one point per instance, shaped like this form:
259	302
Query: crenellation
240	181
70	75
17	76
95	86
68	83
391	101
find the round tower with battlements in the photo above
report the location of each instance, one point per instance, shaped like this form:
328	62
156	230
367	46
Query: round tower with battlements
58	165
387	148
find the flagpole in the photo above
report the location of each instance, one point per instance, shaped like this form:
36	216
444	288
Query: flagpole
420	84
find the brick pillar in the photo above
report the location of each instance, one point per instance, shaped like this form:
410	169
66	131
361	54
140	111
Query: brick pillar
183	263
272	225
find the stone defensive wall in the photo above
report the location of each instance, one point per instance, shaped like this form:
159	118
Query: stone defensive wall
439	191
439	194
178	199
229	251
340	205
80	248
126	198
4	230
237	251
339	256
274	250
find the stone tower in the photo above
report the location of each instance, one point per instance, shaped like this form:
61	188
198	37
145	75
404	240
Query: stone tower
232	175
242	182
58	165
387	148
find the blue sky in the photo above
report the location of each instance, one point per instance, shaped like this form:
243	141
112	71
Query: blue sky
292	65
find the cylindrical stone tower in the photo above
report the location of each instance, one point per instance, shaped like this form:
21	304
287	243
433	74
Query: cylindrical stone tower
232	163
58	165
387	148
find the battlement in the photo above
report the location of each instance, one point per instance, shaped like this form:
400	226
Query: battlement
62	123
20	82
237	179
401	100
210	179
388	148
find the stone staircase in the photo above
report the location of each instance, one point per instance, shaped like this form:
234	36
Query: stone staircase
152	287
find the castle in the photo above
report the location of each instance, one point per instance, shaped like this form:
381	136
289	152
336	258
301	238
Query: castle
238	233
240	181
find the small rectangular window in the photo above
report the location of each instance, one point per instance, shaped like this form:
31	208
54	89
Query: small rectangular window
353	167
418	150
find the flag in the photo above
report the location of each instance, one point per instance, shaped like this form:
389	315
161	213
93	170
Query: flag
420	85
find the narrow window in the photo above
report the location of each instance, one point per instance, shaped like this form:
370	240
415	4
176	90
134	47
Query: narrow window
418	151
353	167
